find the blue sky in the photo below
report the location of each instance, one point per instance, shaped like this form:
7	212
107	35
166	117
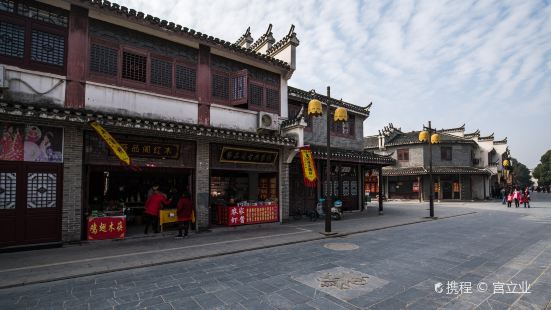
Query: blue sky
483	63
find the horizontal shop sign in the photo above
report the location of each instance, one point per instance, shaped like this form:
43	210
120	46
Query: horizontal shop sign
247	156
148	149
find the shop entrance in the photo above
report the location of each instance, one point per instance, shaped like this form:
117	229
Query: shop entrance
120	192
30	203
240	188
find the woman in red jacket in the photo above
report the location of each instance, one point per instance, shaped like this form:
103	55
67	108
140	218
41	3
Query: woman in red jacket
152	207
184	209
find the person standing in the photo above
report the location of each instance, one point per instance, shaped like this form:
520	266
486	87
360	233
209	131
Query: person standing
527	197
184	212
509	200
503	195
516	197
153	206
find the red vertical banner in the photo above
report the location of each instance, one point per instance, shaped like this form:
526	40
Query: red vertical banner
308	167
111	227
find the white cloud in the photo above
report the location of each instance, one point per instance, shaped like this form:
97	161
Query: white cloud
476	62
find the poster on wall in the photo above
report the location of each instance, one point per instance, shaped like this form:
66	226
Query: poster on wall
33	143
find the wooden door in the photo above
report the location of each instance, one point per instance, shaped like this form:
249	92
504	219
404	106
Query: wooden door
30	203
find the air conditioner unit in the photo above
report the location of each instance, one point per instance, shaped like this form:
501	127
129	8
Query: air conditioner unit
268	121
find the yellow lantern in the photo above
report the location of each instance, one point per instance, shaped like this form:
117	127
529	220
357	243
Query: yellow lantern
435	138
314	108
341	115
506	163
423	136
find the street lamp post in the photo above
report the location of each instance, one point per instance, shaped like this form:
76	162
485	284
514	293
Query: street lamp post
315	109
430	138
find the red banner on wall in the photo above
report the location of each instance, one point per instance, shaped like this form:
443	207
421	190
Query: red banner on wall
109	227
308	167
243	215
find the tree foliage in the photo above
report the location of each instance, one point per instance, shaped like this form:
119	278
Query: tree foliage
542	172
521	174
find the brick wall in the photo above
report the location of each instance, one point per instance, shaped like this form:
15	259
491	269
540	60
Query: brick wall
72	184
284	185
202	184
318	135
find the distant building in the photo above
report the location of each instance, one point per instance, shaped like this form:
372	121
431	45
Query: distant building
465	166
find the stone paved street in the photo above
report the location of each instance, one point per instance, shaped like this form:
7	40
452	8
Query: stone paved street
392	268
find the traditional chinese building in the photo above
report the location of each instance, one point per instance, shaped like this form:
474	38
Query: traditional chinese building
354	171
465	166
193	112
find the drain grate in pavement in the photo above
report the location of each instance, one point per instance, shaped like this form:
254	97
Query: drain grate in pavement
342	283
341	246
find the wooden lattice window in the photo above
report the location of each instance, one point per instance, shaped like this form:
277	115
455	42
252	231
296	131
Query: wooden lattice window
220	86
256	94
403	154
8	187
47	48
134	67
7	6
33	36
446	153
41	190
272	99
186	78
42	15
104	60
343	128
161	72
12	40
238	84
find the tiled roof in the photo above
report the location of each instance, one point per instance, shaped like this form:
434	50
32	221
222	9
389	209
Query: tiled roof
353	156
504	141
486	138
245	37
473	134
460	128
408	138
392	171
290	37
305	96
185	130
149	20
371	142
268	36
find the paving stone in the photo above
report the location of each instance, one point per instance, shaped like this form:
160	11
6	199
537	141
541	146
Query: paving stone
144	303
188	292
186	303
208	301
158	292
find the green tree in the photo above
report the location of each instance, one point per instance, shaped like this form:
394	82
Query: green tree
521	174
542	172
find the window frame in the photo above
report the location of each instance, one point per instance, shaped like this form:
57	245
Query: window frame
443	155
143	86
404	155
338	133
29	25
103	78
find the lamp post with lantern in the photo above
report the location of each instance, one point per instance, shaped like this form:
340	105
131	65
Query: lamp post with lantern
434	139
341	115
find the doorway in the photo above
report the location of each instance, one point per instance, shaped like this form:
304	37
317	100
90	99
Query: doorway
30	203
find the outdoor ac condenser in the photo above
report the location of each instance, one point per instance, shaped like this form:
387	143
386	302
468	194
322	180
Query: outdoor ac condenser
268	121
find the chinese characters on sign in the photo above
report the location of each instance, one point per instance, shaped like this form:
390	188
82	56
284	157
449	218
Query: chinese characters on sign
146	149
101	228
247	156
457	288
243	215
308	167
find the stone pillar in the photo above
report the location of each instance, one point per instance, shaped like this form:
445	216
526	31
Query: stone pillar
71	218
202	180
283	186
